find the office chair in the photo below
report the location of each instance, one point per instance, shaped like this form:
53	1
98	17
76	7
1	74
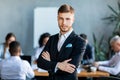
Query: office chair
26	57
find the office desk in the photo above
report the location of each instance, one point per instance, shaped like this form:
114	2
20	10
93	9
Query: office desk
81	74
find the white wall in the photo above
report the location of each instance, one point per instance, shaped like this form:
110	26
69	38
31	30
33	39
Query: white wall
45	20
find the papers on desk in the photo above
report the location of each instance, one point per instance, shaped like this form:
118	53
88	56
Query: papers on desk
34	67
42	70
79	70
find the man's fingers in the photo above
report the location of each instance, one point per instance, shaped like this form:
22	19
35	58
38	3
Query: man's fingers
43	57
67	60
46	55
47	52
43	52
73	66
69	69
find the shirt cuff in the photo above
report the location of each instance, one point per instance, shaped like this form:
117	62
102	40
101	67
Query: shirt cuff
56	68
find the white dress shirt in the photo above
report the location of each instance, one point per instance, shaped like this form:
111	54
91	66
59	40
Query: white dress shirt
15	68
62	39
7	54
38	52
112	66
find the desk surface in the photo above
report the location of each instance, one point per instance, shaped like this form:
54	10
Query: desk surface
81	74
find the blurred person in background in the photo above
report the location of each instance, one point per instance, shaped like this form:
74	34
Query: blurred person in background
111	66
14	68
42	42
4	47
89	55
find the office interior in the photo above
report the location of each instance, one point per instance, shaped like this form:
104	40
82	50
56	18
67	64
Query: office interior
17	16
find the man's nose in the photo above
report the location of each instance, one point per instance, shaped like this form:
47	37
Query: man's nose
64	21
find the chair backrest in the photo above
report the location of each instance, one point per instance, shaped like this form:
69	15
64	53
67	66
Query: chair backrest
26	57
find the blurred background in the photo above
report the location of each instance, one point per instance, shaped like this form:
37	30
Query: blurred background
17	16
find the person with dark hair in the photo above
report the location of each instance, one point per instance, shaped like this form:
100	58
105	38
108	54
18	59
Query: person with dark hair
62	52
14	68
89	55
4	52
42	42
43	39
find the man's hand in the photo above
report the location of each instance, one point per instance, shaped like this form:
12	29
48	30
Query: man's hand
46	56
65	66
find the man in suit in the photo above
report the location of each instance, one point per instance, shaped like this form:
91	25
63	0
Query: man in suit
62	52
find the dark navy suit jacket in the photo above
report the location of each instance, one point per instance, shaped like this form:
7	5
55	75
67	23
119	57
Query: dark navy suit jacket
72	48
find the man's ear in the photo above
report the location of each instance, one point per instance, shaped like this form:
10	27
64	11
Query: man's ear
73	19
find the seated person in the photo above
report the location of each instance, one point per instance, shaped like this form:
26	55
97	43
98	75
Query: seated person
4	47
113	65
42	42
14	68
88	56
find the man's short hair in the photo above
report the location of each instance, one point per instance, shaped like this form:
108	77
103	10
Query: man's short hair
65	8
14	48
114	39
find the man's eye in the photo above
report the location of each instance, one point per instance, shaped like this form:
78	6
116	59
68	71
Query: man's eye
67	18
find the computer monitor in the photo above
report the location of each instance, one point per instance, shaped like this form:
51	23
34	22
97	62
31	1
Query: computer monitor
26	57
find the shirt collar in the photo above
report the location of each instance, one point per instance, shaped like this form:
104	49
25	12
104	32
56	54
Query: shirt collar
118	53
15	57
66	34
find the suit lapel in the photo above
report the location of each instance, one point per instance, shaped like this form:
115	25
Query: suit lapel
56	42
66	42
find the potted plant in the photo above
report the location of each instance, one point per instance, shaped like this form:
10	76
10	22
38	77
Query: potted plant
100	48
114	18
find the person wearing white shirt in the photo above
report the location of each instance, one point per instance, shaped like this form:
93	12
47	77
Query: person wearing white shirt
4	47
42	42
14	68
113	65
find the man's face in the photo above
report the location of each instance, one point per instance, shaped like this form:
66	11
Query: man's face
65	21
116	46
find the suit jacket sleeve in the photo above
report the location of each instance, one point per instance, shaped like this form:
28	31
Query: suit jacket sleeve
78	51
44	64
